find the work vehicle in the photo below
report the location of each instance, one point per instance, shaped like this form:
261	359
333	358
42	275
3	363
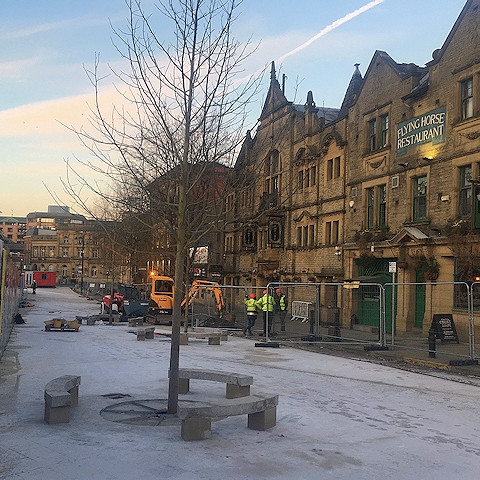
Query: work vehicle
126	301
161	298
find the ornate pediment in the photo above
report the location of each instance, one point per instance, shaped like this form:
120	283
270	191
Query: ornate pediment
304	214
408	235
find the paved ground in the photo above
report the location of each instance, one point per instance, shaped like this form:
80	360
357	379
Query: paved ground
345	415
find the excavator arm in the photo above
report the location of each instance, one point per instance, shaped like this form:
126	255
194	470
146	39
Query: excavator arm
204	285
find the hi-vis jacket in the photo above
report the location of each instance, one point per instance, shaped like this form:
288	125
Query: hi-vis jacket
266	303
251	305
282	302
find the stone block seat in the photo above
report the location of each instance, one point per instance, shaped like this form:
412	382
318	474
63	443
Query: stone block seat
197	416
237	384
145	333
213	338
60	394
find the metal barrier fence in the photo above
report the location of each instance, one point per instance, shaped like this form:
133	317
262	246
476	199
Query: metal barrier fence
10	296
303	320
427	320
435	319
349	312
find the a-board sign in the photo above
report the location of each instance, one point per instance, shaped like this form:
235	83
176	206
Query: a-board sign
444	326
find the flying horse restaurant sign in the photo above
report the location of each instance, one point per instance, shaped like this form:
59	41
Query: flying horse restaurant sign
427	128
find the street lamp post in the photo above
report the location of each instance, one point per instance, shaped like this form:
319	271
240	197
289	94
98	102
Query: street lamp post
82	254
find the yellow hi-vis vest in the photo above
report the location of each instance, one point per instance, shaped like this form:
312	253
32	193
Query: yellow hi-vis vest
283	304
251	305
266	303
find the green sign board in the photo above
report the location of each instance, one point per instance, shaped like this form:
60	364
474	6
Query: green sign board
426	128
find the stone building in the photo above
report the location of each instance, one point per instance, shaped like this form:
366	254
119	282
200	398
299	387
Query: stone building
13	228
68	244
205	186
387	184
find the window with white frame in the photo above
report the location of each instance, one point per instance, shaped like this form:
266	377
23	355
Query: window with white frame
420	198
466	88
383	130
376	206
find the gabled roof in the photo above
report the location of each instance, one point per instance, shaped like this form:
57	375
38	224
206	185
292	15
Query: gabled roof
403	70
408	235
437	54
275	96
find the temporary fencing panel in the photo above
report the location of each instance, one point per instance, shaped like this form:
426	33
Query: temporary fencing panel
390	315
10	296
425	310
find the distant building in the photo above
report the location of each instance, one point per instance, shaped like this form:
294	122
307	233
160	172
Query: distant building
71	246
13	228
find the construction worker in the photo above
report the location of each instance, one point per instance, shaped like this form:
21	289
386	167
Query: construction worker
282	304
251	307
266	304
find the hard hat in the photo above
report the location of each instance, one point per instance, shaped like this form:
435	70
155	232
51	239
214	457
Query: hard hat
252	295
264	292
278	290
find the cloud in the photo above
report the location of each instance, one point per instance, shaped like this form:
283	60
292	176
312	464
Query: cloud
77	22
17	68
329	28
50	117
273	45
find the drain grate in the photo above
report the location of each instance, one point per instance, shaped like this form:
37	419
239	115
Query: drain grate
140	412
116	396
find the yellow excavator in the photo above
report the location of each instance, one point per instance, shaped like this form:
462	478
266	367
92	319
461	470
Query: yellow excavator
161	297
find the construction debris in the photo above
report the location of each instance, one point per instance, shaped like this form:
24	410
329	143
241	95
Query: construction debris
61	325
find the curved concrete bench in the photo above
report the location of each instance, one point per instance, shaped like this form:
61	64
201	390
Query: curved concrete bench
197	417
237	384
145	333
60	394
213	338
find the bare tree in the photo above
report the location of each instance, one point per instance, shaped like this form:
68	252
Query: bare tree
182	114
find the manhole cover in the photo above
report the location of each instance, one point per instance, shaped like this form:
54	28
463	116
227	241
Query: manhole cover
140	412
116	396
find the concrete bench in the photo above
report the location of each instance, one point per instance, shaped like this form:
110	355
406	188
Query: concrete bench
135	321
237	385
213	338
145	333
60	394
211	330
197	417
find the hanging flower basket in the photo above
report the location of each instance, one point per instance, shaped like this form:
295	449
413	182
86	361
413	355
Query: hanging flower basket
429	266
432	276
366	260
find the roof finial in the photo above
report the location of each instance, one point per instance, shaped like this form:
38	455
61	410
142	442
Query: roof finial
310	102
273	75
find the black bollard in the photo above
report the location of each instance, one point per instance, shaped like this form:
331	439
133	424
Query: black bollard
432	342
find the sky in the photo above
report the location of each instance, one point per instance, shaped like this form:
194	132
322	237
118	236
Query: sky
47	46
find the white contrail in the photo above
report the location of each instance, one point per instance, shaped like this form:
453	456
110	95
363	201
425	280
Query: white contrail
331	27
